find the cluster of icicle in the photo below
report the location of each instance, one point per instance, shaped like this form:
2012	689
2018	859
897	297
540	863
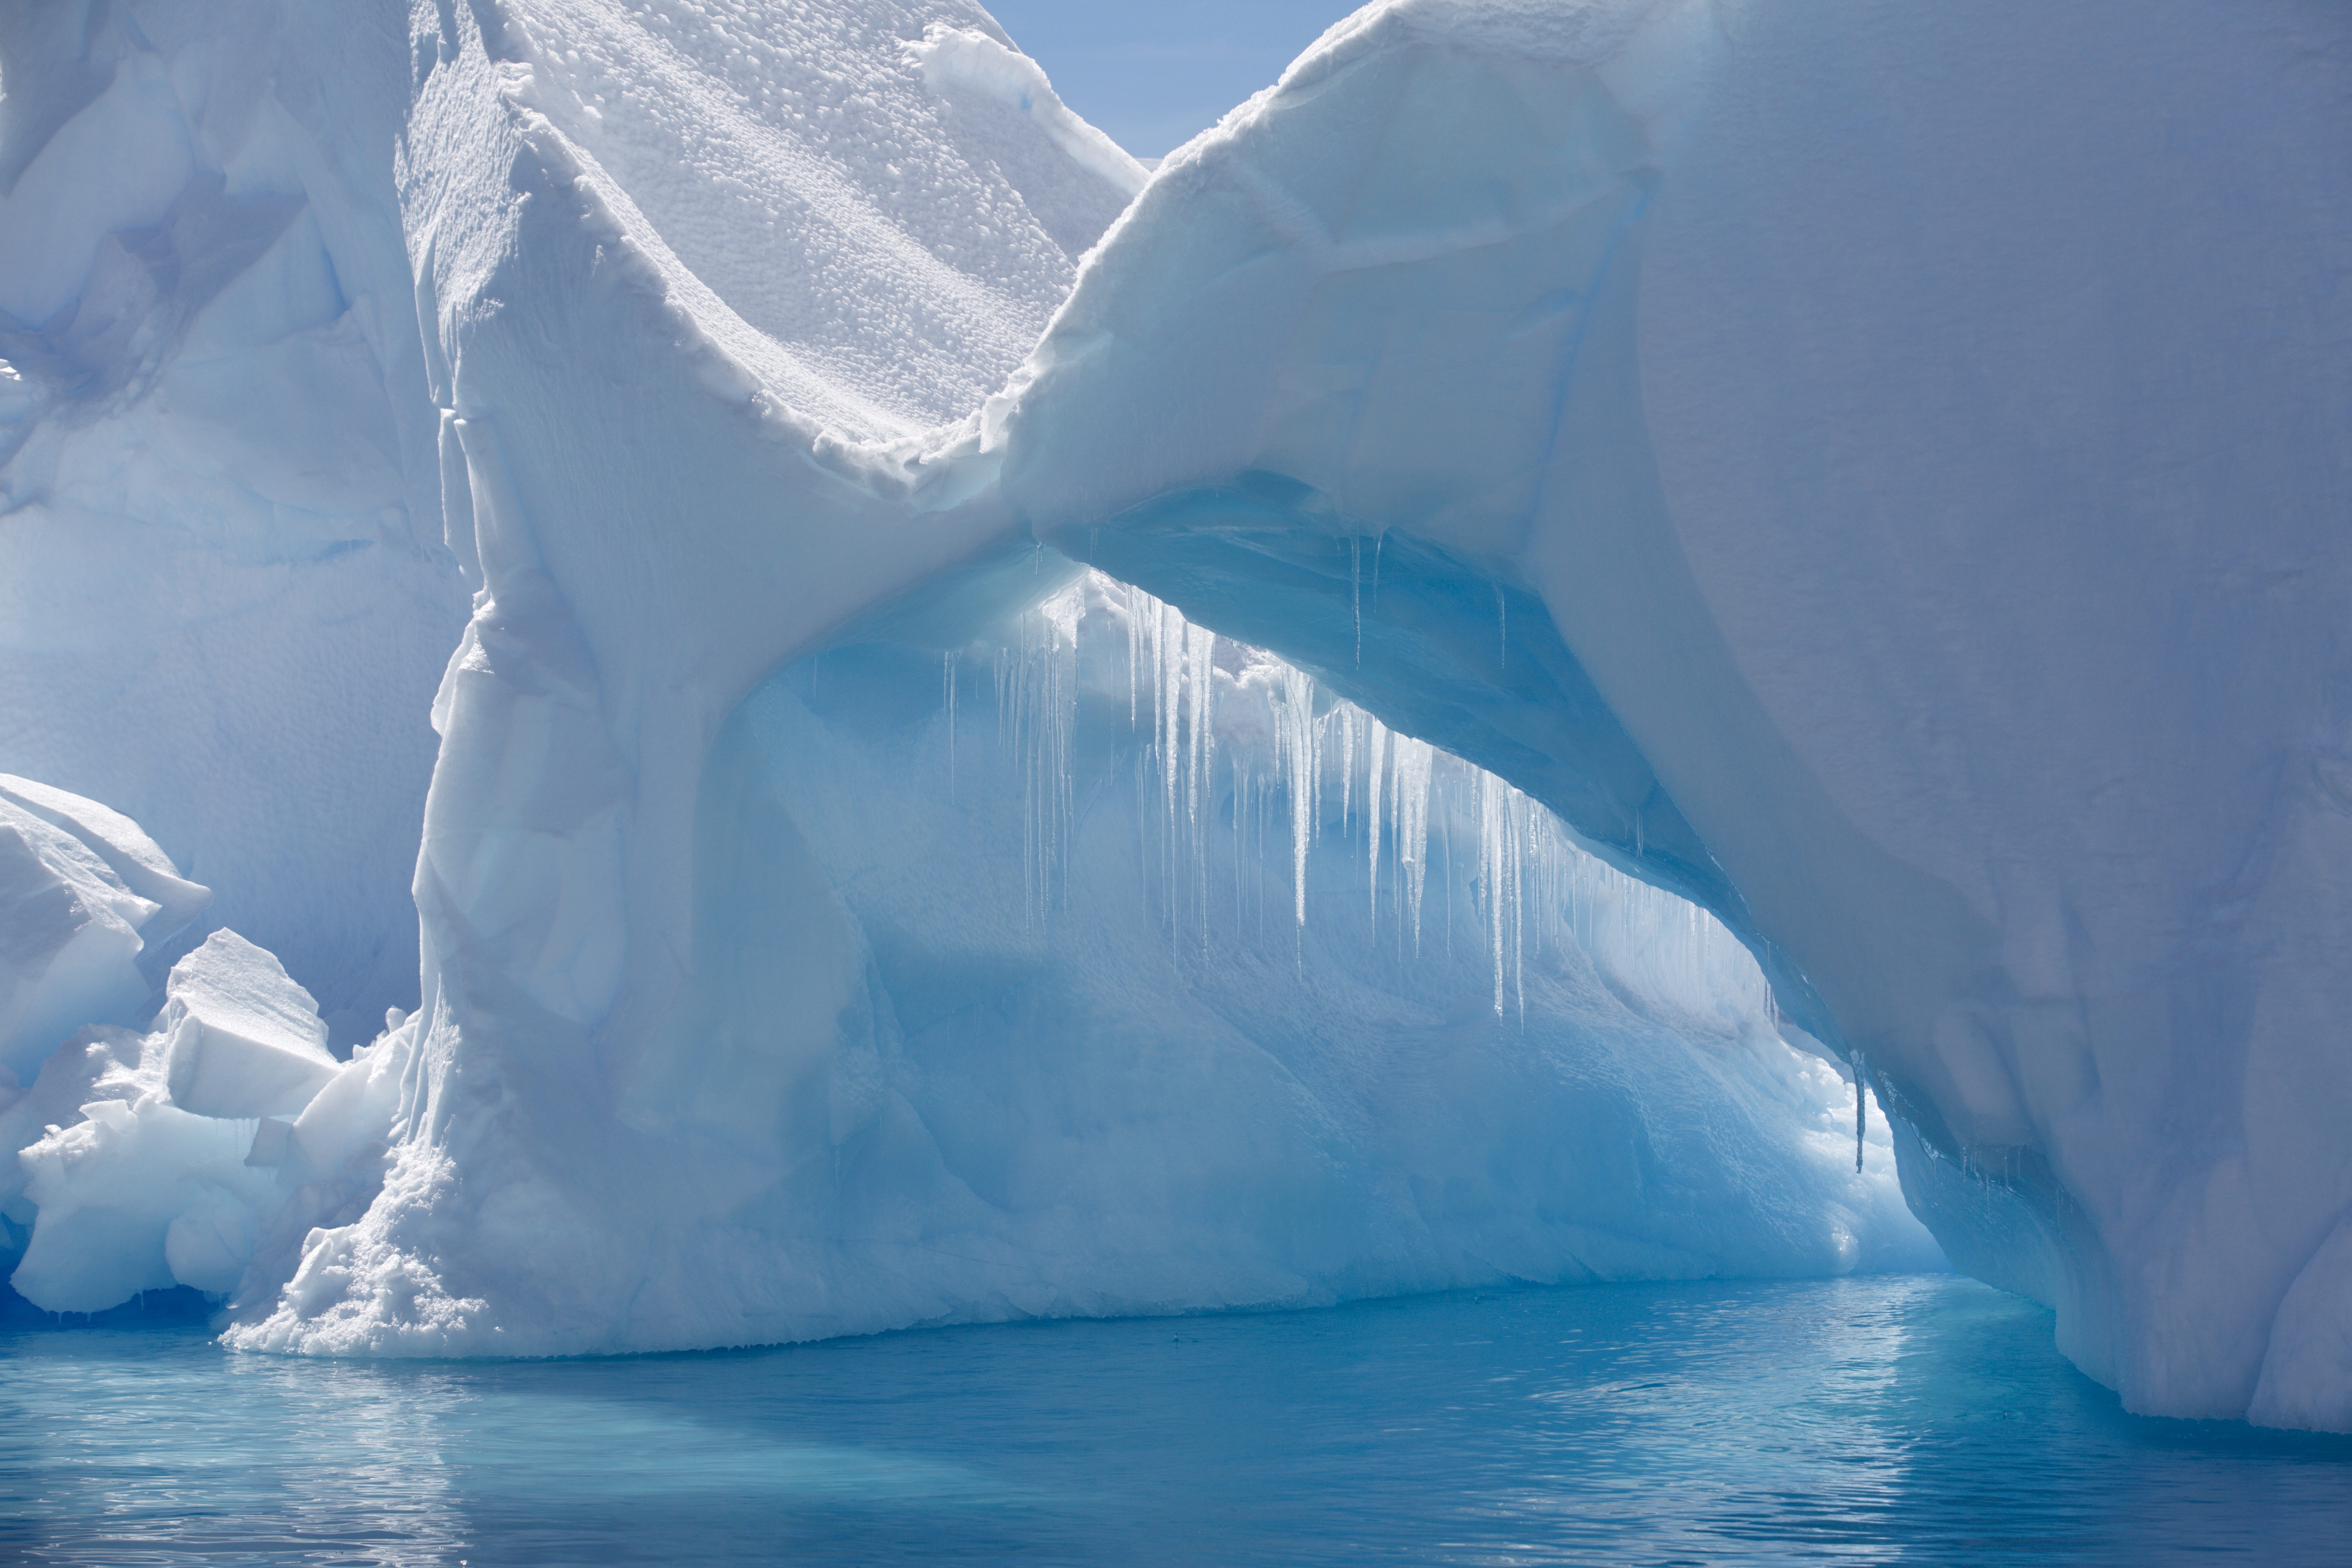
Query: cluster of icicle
1332	767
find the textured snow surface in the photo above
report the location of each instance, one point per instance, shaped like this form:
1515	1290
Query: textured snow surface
1875	471
872	206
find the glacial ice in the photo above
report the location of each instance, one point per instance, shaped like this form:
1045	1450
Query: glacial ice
1814	459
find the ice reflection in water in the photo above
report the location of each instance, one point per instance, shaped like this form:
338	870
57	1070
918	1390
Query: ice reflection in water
1915	1420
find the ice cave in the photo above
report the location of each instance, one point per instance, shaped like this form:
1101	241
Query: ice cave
689	674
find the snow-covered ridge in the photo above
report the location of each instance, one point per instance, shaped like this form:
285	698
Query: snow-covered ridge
960	60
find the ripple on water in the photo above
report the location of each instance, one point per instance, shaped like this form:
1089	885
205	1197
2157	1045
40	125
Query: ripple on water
1921	1419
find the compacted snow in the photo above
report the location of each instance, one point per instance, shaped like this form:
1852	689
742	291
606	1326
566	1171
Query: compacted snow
1870	471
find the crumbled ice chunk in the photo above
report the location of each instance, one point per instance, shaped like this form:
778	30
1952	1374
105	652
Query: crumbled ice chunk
243	1039
170	1158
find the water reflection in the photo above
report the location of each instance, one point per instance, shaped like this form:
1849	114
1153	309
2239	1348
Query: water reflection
1921	1419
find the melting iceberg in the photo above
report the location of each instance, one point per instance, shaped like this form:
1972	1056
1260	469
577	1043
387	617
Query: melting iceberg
1647	448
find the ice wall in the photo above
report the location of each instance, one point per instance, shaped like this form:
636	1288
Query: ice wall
224	598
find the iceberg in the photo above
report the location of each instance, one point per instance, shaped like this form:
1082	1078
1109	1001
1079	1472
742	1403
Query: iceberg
1657	456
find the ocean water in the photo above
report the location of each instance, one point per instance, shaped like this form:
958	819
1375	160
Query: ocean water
1919	1419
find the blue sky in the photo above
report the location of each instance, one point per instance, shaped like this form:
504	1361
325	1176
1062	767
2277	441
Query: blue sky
1154	74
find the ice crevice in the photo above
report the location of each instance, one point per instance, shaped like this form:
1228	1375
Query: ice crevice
1026	740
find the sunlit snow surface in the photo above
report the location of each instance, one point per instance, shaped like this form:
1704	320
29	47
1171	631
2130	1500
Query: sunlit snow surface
1889	1420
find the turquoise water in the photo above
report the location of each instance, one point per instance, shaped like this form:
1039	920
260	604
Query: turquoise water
1923	1419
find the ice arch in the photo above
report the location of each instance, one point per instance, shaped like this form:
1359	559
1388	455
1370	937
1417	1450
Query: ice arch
1811	370
575	1124
2016	756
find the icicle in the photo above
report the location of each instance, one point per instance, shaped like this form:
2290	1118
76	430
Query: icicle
1300	736
1240	798
1534	888
947	692
1167	661
1378	540
1356	592
1490	872
1445	827
1860	1109
1347	723
1502	629
1201	648
1136	599
1414	769
1522	813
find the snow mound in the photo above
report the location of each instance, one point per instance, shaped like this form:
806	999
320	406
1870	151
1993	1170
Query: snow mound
172	1155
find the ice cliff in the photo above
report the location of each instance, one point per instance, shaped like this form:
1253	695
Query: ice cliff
1874	472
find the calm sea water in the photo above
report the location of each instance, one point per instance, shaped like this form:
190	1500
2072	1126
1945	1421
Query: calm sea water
1922	1419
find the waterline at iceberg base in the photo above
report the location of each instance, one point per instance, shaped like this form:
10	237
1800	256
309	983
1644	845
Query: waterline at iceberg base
1613	451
